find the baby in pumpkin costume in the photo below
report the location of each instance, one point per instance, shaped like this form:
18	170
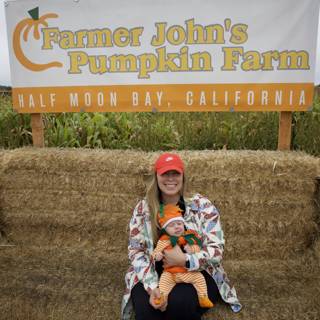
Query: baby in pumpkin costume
173	233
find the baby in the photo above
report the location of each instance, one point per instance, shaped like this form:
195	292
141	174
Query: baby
173	233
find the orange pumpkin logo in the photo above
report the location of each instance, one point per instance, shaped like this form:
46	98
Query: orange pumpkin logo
24	27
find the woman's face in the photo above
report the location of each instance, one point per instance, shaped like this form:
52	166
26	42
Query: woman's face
170	183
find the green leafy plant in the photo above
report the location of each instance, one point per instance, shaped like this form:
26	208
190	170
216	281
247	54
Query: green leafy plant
162	131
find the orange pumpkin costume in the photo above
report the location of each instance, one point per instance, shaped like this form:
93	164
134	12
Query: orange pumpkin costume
177	274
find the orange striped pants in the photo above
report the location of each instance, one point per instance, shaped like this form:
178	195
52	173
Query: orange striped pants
168	280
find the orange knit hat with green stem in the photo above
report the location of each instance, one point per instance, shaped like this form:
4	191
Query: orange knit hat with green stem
169	213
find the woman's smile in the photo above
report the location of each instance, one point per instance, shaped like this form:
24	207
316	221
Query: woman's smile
170	183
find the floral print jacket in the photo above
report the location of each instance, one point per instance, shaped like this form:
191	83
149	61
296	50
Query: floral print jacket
200	215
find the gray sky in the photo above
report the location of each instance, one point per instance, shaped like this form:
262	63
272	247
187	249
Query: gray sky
4	55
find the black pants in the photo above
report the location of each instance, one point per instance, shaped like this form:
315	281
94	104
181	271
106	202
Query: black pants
182	302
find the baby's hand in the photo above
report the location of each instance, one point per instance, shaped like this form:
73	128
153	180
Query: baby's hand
160	300
158	256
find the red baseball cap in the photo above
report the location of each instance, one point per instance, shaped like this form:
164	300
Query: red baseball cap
167	162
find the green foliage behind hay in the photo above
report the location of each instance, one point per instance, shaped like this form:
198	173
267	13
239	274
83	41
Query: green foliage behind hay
15	129
161	131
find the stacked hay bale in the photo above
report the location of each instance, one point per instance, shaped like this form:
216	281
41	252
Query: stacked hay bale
317	205
267	195
65	215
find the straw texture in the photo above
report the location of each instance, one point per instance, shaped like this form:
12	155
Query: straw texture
64	215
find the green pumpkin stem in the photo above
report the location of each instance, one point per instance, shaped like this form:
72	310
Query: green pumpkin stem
161	210
34	13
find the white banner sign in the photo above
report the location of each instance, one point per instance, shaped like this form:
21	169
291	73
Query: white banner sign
142	55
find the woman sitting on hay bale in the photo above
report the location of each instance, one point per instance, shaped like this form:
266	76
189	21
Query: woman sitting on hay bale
142	279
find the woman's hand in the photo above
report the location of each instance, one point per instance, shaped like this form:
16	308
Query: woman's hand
174	257
188	249
157	300
191	248
158	256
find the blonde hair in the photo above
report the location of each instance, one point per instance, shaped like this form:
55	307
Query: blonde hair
153	197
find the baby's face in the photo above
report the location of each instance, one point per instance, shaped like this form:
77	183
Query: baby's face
175	228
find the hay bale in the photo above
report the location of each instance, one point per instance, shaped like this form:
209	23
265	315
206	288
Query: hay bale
76	284
317	219
85	197
51	160
250	164
62	282
65	215
3	225
317	250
